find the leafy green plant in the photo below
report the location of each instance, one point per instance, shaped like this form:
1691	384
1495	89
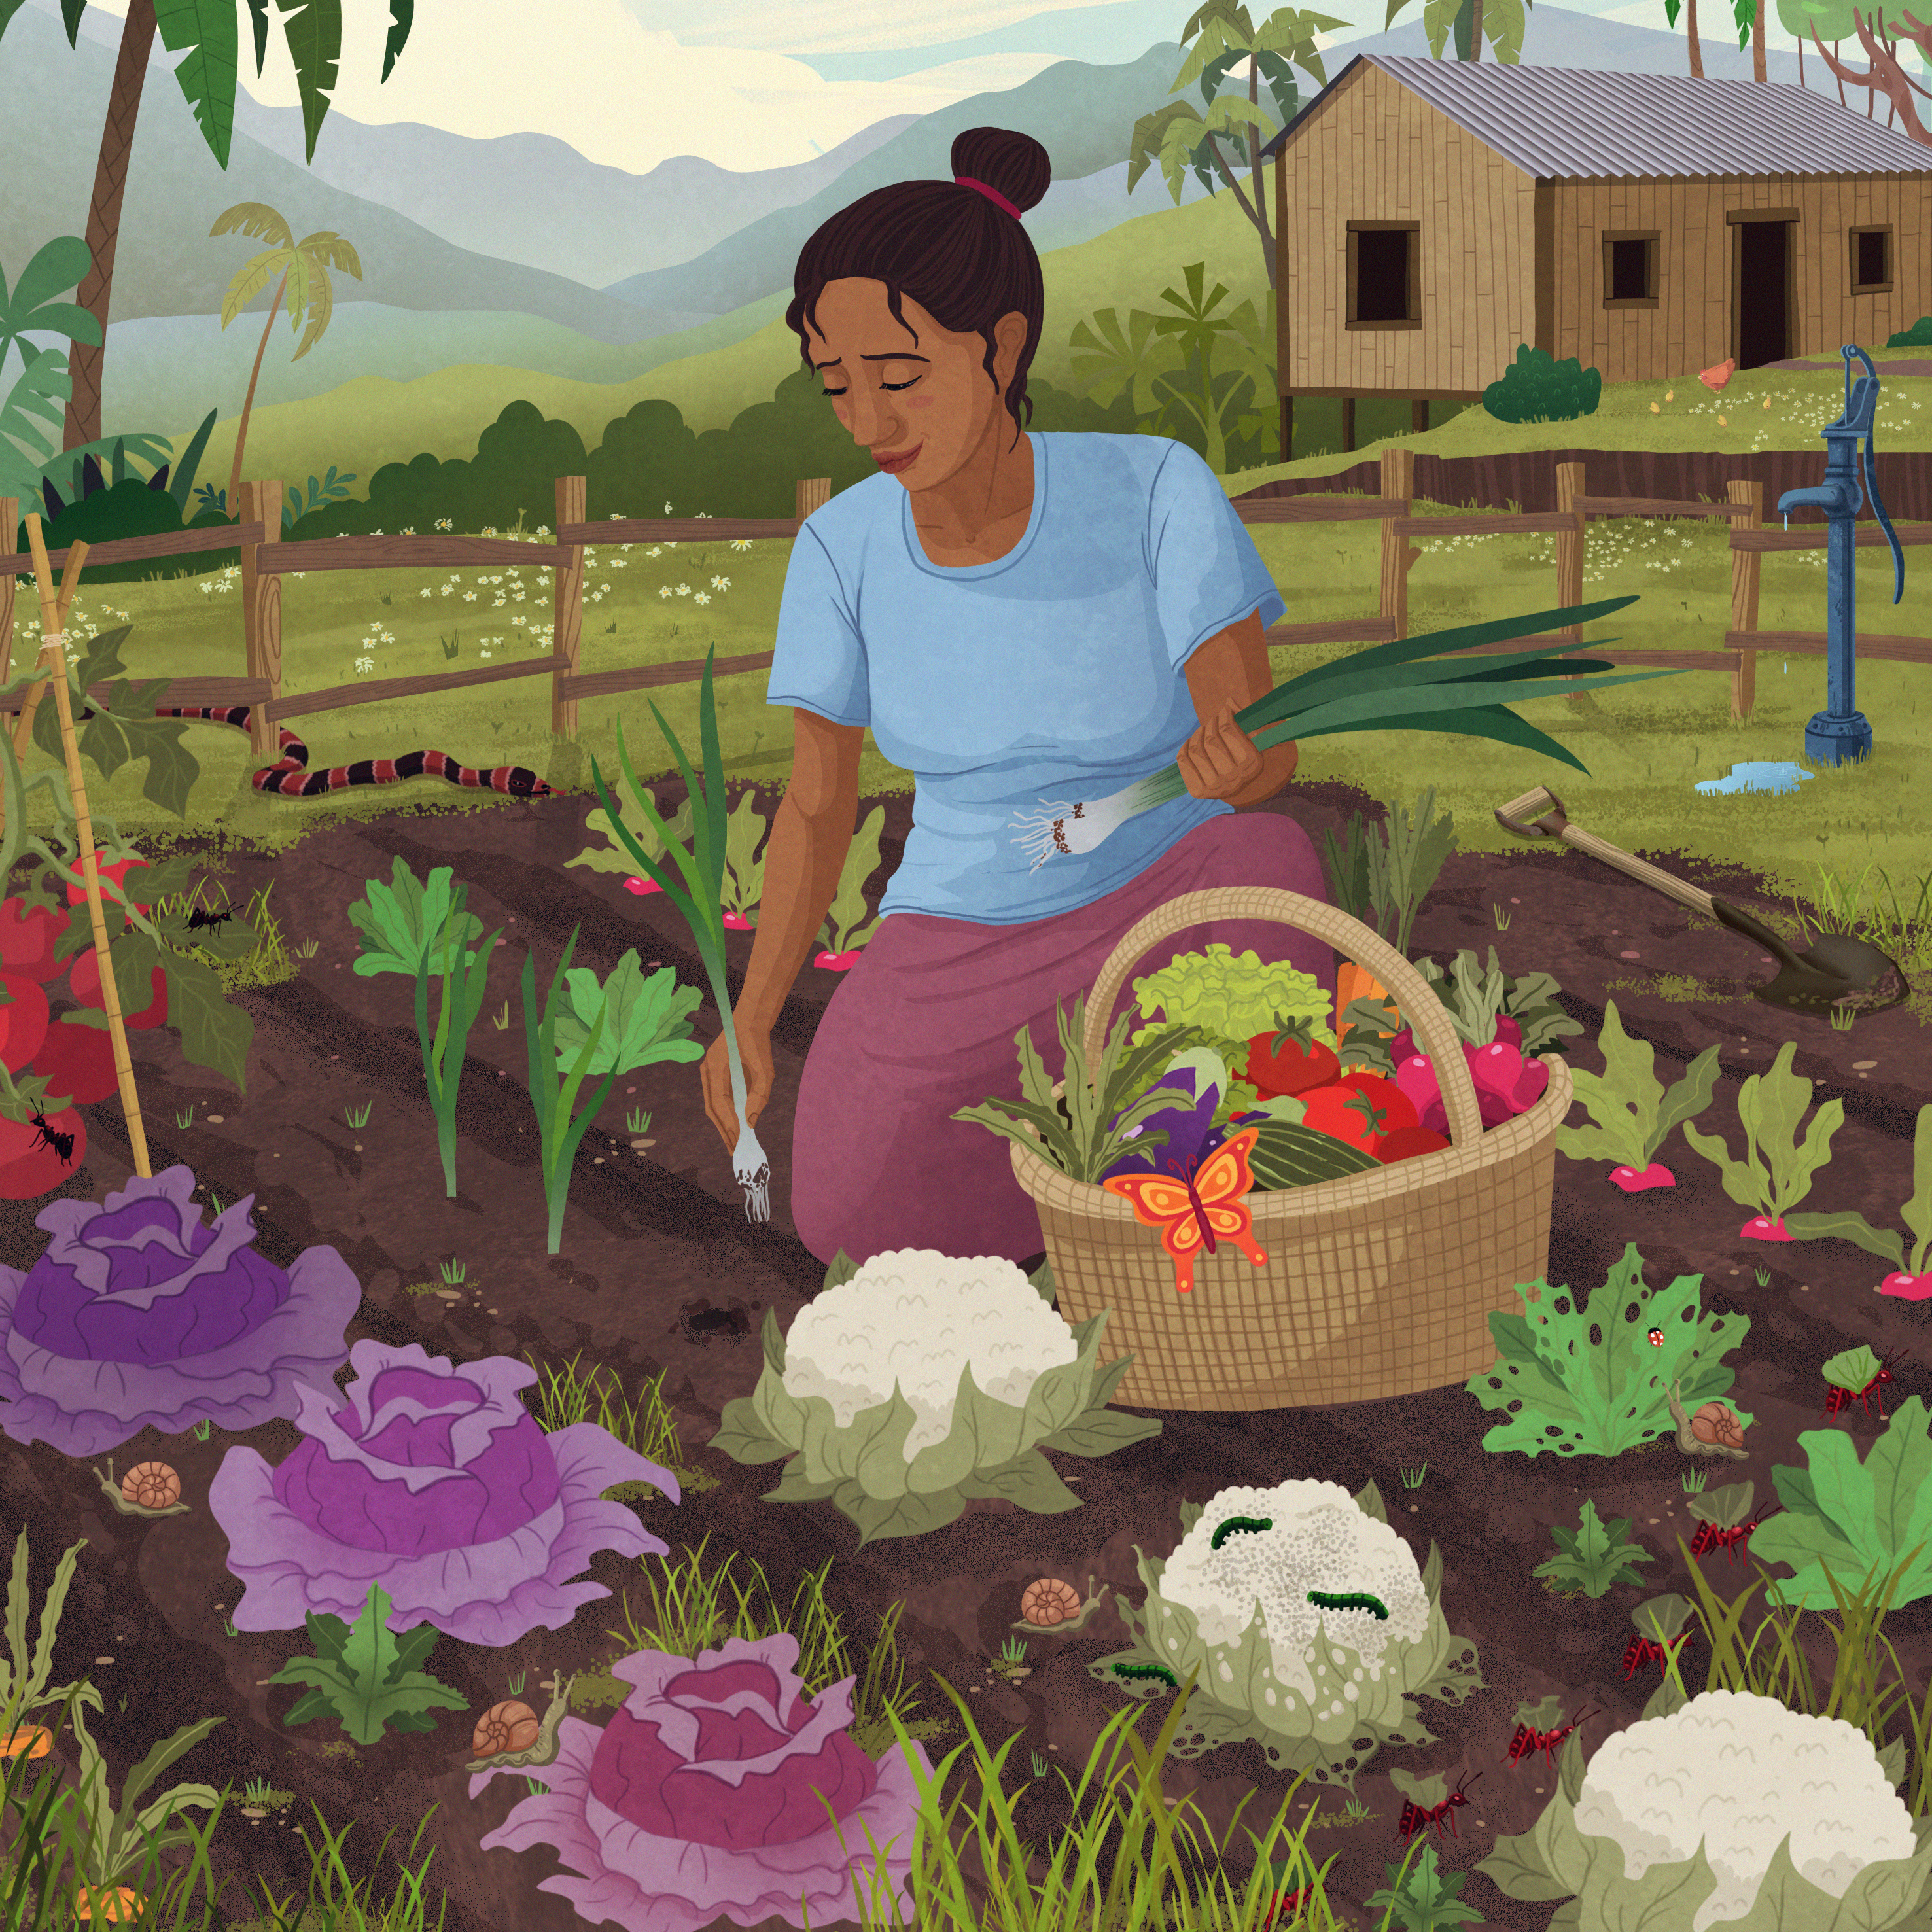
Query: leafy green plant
1588	1380
1847	1225
366	1675
745	828
1537	388
1853	1517
332	489
843	931
646	1020
1475	999
1778	1175
1594	1556
1393	872
1084	1133
407	927
1633	1111
617	858
1229	999
559	1134
1425	1898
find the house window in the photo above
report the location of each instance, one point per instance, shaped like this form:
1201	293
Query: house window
1871	260
1385	274
1630	268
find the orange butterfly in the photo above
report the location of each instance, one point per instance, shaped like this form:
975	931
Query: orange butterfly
1191	1211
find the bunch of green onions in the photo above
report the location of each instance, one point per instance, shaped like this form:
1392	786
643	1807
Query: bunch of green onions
1382	689
700	900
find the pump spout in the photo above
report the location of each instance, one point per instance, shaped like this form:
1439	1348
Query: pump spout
1839	497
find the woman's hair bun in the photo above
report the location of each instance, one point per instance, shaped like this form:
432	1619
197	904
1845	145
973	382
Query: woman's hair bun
1013	163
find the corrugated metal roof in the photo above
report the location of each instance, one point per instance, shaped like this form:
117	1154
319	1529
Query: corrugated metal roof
1560	121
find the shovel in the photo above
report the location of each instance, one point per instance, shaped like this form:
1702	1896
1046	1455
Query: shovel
1838	970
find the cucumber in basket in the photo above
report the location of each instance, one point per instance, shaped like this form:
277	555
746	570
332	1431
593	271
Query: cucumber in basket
1286	1155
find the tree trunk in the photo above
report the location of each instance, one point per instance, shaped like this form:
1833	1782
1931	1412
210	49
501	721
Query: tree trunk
103	218
248	401
1757	42
1476	30
1842	101
1691	39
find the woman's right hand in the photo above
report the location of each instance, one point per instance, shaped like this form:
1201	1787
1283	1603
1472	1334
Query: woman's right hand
755	1055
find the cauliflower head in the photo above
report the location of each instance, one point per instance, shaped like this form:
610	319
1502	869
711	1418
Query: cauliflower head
919	1317
1739	1772
1320	1541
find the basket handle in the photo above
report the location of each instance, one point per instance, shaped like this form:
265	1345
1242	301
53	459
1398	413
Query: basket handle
1428	1018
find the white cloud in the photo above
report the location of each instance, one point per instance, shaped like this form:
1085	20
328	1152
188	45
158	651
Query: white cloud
836	26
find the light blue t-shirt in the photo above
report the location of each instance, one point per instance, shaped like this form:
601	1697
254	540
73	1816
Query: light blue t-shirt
1054	672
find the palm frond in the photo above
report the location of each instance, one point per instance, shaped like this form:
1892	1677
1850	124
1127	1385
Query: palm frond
254	217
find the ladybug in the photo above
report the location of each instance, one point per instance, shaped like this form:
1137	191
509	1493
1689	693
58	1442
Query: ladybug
1656	1338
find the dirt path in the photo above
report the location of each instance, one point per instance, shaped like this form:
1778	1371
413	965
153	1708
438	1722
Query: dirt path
661	1269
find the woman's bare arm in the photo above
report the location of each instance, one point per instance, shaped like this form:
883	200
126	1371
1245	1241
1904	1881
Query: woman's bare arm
1233	666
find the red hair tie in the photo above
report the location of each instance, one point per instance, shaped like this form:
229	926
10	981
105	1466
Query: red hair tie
992	194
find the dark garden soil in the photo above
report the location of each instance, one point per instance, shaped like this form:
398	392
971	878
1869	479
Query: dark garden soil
660	1270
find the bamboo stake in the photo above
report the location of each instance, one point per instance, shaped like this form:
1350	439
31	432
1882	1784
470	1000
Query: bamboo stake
23	731
53	652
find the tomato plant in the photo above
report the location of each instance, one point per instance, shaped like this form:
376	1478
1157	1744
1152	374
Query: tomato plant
27	936
85	978
117	872
31	1164
77	1060
23	1019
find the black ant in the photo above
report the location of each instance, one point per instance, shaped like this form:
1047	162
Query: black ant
61	1144
198	918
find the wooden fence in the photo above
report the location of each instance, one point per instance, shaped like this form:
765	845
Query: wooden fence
265	559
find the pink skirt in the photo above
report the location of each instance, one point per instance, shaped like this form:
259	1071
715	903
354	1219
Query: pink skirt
925	1024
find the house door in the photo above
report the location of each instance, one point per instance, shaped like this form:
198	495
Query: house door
1761	330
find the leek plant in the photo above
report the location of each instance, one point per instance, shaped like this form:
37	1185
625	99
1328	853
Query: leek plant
700	900
1382	689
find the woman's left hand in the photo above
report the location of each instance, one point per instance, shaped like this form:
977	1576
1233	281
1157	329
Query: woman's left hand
1220	760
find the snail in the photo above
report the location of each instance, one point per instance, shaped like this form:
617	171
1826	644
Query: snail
1715	1432
149	1489
1050	1595
527	1740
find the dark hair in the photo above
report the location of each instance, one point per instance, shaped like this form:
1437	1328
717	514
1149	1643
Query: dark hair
959	255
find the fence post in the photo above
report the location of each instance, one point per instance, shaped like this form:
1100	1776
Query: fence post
1399	481
566	608
1570	556
10	526
262	613
813	493
1744	594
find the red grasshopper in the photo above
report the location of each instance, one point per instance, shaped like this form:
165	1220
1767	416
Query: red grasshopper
1641	1650
1709	1536
1529	1740
1414	1818
1837	1399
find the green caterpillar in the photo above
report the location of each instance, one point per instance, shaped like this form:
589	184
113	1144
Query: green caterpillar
1227	1529
1354	1600
1159	1671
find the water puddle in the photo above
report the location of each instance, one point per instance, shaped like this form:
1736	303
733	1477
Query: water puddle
1759	775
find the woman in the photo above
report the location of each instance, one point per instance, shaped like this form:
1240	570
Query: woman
1015	617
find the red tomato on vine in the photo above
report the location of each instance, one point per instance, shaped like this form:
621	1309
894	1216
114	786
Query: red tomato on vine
85	978
37	1155
27	936
23	1020
117	872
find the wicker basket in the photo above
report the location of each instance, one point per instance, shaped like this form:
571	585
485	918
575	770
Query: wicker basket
1378	1284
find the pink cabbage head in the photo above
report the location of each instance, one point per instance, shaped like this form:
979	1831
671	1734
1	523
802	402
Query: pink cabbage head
437	1483
137	1316
701	1798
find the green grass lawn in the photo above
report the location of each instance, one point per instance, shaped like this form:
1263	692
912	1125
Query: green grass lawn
1645	745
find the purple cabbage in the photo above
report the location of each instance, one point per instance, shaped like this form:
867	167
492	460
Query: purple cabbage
135	1315
702	1797
438	1483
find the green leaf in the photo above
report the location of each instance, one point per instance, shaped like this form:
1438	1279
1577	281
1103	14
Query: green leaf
743	1437
647	1020
214	1033
794	1487
205	31
1851	1368
1099	1432
1027	1481
1847	1225
399	925
402	16
617	858
844	931
908	1515
1596	1556
358	1674
1778	1175
314	29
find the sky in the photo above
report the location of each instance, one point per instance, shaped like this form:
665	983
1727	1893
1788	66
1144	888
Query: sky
746	84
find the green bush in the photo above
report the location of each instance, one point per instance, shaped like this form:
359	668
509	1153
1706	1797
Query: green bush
129	508
1918	336
1536	388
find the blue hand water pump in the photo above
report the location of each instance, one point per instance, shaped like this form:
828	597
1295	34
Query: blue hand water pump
1841	730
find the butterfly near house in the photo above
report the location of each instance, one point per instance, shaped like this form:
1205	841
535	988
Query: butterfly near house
46	1136
1199	1208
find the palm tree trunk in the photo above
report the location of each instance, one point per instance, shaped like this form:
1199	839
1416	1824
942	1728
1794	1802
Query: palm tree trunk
1696	46
1757	42
103	218
1476	30
248	401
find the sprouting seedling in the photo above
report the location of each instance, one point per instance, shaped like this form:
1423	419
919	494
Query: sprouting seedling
454	1272
1014	1650
1411	1479
184	1116
358	1117
501	1021
638	1120
1693	1480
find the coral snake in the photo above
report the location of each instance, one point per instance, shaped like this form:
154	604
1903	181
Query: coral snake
290	777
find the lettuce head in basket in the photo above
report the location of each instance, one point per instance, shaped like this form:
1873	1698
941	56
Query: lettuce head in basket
1309	1621
918	1381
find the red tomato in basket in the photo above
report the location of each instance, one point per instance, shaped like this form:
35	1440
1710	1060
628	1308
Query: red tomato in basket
1405	1143
1362	1109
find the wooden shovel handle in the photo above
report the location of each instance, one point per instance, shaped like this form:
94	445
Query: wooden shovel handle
1553	824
